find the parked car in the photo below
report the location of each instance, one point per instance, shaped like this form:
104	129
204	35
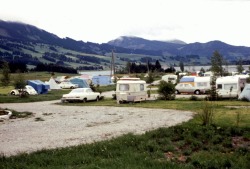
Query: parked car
28	90
81	94
68	85
188	88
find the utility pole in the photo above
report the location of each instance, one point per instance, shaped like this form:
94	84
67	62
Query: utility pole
112	65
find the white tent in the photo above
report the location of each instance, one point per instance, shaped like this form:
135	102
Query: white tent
52	83
245	93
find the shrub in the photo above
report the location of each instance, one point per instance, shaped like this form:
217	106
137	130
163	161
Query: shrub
207	113
150	78
166	90
194	98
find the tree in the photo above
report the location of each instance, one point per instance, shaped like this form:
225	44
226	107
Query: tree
19	82
217	64
157	65
239	66
213	95
166	90
5	79
181	64
128	65
150	78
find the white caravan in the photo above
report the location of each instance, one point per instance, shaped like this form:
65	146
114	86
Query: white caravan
228	86
130	90
170	78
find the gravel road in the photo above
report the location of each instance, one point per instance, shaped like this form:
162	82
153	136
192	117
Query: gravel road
55	126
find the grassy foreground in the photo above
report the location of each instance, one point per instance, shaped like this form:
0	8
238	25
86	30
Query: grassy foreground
223	144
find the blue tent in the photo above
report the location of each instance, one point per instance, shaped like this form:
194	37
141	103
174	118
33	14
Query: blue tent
80	82
39	86
101	80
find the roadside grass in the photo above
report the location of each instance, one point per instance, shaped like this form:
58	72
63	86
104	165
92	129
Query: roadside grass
5	90
51	95
223	144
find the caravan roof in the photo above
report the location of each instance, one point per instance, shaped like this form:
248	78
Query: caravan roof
227	79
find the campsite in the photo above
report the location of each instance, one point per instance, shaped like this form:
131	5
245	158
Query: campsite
176	146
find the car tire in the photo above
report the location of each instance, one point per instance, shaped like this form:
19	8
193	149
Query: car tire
97	98
13	93
197	92
177	92
72	87
84	100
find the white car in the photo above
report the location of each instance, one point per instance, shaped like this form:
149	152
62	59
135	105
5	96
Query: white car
81	94
29	90
68	85
188	88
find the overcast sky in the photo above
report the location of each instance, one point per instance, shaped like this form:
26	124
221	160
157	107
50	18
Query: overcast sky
100	21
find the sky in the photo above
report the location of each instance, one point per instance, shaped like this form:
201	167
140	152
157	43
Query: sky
100	21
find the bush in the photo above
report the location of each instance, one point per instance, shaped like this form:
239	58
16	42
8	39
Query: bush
194	98
166	90
150	78
207	113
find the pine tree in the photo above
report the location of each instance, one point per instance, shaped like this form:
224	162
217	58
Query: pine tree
217	64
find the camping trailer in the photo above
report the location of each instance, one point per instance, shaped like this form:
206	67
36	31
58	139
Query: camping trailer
170	78
130	90
228	86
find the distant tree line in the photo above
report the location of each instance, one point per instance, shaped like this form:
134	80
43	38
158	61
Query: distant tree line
148	67
15	66
89	68
53	68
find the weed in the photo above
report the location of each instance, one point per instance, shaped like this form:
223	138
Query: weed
238	118
16	114
47	114
39	119
207	114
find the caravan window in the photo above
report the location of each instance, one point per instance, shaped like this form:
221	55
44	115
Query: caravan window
219	86
202	84
141	87
124	87
229	86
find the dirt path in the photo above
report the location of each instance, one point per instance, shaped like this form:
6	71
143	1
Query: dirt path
64	126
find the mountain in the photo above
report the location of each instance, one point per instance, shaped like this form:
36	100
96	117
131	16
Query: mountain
30	45
230	53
